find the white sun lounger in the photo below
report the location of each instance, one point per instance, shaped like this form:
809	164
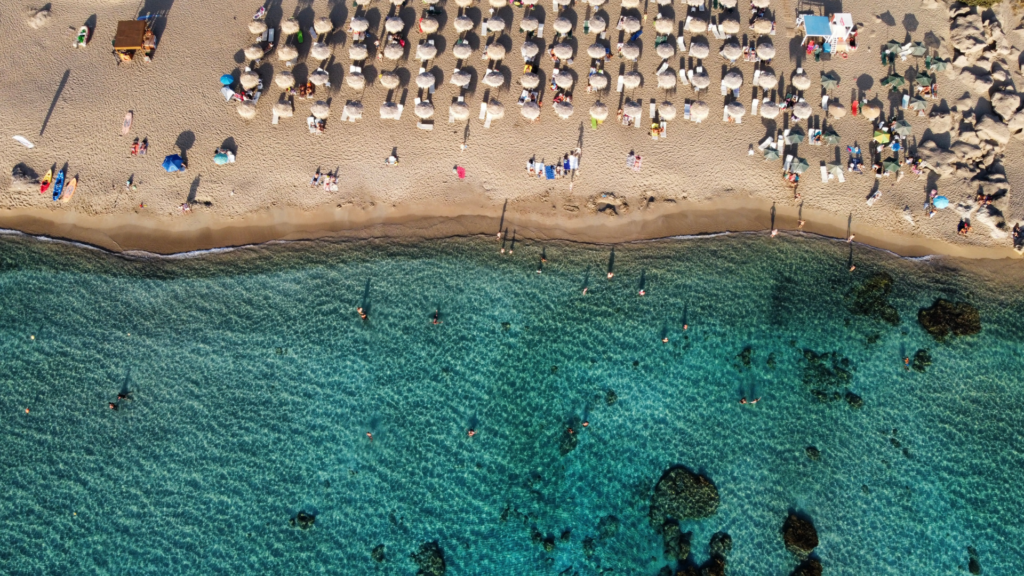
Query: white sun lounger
651	110
753	107
767	142
663	67
686	111
400	108
824	175
425	125
824	102
637	121
681	44
618	85
682	78
757	75
725	90
735	92
840	177
228	93
311	124
540	30
725	114
686	24
700	8
483	110
274	119
788	163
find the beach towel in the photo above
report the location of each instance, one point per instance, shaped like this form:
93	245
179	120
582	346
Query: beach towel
630	160
461	172
549	172
636	164
574	162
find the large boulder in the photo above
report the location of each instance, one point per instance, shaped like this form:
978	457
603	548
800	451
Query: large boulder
991	128
940	122
1016	124
430	560
680	495
799	535
1005	103
936	159
676	542
966	151
946	318
809	567
993	219
967	34
720	544
977	83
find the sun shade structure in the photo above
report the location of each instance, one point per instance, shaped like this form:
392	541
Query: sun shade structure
769	110
763	26
426	51
903	128
918	103
562	25
597	51
894	81
494	79
495	109
801	81
664	2
320	110
799	166
632	109
665	50
530	80
389	111
463	24
497	3
727	3
249	80
761	3
530	111
389	80
424	110
283	110
174	163
394	24
598	25
599	111
563	110
698	25
735	110
631	80
630	24
359	24
461	78
730	26
529	24
765	50
462	50
700	80
495	51
802	110
425	80
257	27
290	26
322	25
732	80
631	51
286	53
695	3
699	111
394	51
699	48
429	25
667	80
529	50
596	3
284	79
463	3
563	2
362	2
459	110
356	80
767	80
871	111
319	78
836	110
320	51
495	24
771	154
358	51
247	109
562	51
664	25
598	81
254	52
563	79
831	137
732	49
630	3
794	137
829	81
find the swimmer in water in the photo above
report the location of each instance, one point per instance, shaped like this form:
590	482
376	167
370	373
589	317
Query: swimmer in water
664	340
642	292
755	400
585	291
611	275
585	423
686	326
362	314
112	406
437	314
743	400
370	436
471	433
801	223
775	232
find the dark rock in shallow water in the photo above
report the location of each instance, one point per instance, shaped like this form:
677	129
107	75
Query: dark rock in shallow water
813	453
611	397
809	567
607	527
676	542
824	373
853	400
566	535
800	536
548	543
945	318
720	544
378	553
715	566
303	520
744	356
922	360
430	560
973	564
665	571
681	494
872	299
568	441
588	547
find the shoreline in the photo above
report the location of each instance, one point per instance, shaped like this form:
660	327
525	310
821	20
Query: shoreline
123	233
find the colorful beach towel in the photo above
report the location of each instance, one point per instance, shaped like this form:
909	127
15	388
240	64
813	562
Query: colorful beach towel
461	171
549	171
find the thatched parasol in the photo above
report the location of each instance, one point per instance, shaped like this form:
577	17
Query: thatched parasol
801	81
257	27
667	111
630	24
389	111
283	109
319	78
358	51
630	3
423	110
699	111
698	25
562	25
664	25
394	51
767	80
495	109
699	48
871	111
563	110
763	26
322	25
461	78
597	51
426	51
765	49
599	111
529	24
498	3
284	79
320	51
495	51
459	110
429	25
563	2
530	111
598	25
563	79
731	27
836	110
247	109
760	3
389	80
664	2
598	81
732	50
425	80
353	110
667	80
359	24
356	80
562	51
632	109
735	110
463	24
732	80
495	24
530	80
320	110
286	53
289	26
462	50
700	80
727	3
631	80
529	50
802	110
249	80
362	2
770	110
494	79
695	2
596	3
254	52
463	3
394	24
665	50
630	51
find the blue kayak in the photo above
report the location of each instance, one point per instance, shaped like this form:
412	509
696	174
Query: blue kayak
58	185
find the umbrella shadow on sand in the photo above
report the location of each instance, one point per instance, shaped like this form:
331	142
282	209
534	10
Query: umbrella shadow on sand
185	141
193	190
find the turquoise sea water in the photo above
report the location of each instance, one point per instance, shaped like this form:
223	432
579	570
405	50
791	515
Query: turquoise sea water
254	383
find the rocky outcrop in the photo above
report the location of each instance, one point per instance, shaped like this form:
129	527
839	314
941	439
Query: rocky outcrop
871	298
809	567
945	318
1005	103
720	544
303	520
378	553
681	494
430	560
676	543
799	535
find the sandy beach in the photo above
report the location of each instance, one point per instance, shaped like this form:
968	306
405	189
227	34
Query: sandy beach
699	179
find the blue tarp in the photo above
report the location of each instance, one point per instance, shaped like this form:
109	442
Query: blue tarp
817	26
940	202
173	163
549	171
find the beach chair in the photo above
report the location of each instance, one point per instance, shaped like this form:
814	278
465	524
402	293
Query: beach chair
824	102
757	75
483	110
725	114
425	125
736	93
686	111
401	107
840	177
781	143
618	85
689	76
540	30
228	93
274	119
664	130
700	8
906	101
681	44
753	107
788	163
824	174
767	142
686	24
651	110
663	67
639	119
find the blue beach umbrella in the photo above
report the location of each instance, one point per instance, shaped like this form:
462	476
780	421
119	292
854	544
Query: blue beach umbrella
940	202
173	163
227	80
220	158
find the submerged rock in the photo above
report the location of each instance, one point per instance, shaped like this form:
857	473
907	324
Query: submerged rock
973	565
715	566
430	560
676	542
871	299
744	356
720	544
944	318
588	547
607	527
681	494
922	360
303	520
611	397
809	567
812	452
824	373
378	553
799	535
854	400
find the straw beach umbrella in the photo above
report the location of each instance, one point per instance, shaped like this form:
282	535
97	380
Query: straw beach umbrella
394	24
495	24
284	79
802	110
529	24
765	50
247	109
463	24
630	24
530	111
667	80
358	51
322	25
426	51
562	51
598	25
563	79
462	50
389	80
289	26
563	110
664	25
732	50
767	80
700	80
698	25
632	109
389	111
425	80
353	110
630	3
699	111
667	111
599	111
763	26
836	110
283	109
424	110
320	51
770	110
596	3
665	50
732	80
530	80
597	51
664	2
631	80
359	24
495	109
699	48
254	52
249	80
871	110
494	79
731	26
286	53
459	110
761	3
801	81
529	50
495	51
461	78
320	78
695	3
562	2
630	51
562	25
463	3
257	27
429	25
735	110
320	110
497	3
356	80
394	51
727	3
598	81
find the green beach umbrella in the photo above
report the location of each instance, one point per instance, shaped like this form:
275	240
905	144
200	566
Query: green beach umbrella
892	46
829	80
924	80
918	103
794	137
918	49
799	166
771	154
881	137
830	136
894	81
938	64
891	165
903	128
835	170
